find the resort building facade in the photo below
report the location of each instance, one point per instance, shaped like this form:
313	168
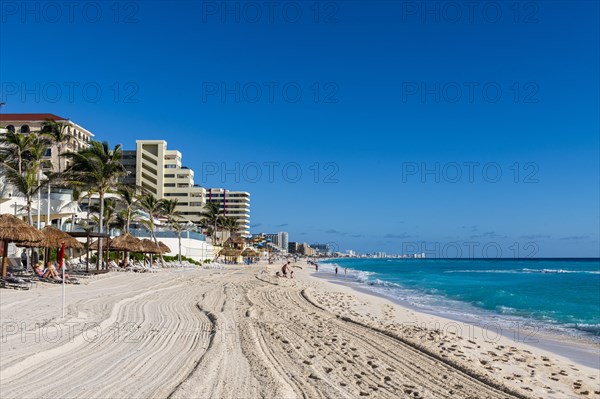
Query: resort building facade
77	136
161	172
234	204
55	204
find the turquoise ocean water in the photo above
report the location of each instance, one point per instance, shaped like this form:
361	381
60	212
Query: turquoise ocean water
561	295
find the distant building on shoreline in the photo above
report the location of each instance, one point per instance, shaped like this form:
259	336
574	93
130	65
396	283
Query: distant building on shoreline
301	249
279	240
322	249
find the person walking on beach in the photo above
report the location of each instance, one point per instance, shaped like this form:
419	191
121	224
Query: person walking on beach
336	270
316	266
345	272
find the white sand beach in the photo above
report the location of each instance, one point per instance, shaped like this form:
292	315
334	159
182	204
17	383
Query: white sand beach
241	332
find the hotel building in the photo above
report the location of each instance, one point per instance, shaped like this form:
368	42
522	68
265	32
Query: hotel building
234	204
55	204
78	137
160	171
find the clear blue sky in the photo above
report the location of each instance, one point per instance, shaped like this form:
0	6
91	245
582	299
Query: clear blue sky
387	90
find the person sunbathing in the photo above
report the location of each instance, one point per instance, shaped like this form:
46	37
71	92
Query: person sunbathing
38	270
51	271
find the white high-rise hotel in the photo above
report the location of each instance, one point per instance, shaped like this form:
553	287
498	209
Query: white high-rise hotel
161	172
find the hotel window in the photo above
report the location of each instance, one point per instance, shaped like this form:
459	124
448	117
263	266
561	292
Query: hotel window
169	184
10	128
170	166
169	176
25	129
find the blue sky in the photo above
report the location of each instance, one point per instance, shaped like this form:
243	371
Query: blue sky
449	130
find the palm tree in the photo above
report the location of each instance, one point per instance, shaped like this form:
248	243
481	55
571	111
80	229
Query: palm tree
110	216
27	184
230	224
33	156
130	203
211	217
152	206
25	162
58	134
16	147
169	210
109	213
99	166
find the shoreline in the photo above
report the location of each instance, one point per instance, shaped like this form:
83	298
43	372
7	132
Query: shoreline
577	349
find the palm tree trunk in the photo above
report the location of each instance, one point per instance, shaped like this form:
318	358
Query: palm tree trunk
155	239
59	148
215	231
179	255
100	228
126	253
29	216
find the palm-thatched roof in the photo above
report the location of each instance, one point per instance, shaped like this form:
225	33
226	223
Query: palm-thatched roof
105	243
230	252
13	229
53	238
249	252
163	247
126	242
235	239
150	246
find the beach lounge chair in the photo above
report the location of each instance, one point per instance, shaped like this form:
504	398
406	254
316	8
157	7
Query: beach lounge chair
14	282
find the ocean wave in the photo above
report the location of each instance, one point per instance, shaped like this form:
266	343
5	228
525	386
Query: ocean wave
589	328
522	271
560	271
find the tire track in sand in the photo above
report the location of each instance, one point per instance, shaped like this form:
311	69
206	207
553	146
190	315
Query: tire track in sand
329	357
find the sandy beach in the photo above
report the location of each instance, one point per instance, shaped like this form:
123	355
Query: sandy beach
241	332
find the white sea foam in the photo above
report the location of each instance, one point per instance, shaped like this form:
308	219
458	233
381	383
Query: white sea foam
521	271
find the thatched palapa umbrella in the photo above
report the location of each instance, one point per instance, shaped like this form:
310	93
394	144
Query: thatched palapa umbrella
53	238
230	253
150	247
126	242
164	248
249	252
14	229
106	242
